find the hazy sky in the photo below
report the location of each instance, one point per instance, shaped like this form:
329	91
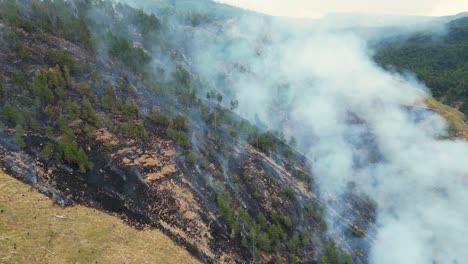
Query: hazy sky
317	8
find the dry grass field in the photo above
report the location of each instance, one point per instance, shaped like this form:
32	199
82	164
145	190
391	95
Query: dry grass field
34	230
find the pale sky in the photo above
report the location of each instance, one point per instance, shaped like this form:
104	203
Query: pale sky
318	8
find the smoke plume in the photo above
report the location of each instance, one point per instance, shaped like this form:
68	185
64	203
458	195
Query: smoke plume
356	122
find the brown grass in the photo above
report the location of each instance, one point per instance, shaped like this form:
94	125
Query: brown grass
457	126
34	230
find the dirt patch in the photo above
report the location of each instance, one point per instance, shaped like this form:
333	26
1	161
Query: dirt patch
166	170
148	161
168	152
104	135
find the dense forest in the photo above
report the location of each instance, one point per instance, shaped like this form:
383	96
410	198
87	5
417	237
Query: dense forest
440	61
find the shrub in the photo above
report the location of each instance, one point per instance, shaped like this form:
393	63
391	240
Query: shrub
286	220
227	211
69	150
180	122
19	136
192	157
83	88
18	77
108	99
10	114
41	88
159	118
145	22
134	129
88	113
264	142
180	137
264	242
289	192
48	150
293	243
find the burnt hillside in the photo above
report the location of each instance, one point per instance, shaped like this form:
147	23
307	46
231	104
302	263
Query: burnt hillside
94	113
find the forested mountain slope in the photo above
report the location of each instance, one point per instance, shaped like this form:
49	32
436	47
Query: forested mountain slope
99	108
439	60
102	105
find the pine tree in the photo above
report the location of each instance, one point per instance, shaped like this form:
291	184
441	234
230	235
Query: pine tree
41	89
108	98
82	161
19	136
72	109
331	253
57	81
47	151
88	113
323	260
10	113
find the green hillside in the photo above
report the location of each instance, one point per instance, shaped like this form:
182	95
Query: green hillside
441	62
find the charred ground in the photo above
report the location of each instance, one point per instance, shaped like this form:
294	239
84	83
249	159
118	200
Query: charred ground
89	119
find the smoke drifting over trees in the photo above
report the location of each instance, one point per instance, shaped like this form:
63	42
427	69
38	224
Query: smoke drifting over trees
322	87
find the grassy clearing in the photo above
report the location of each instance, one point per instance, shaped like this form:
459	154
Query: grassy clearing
34	230
454	117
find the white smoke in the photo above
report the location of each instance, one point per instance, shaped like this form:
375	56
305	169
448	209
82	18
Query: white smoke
316	8
420	183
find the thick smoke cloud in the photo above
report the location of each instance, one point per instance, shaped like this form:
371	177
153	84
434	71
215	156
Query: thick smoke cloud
352	119
316	8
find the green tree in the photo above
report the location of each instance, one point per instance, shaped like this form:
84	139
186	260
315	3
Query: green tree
264	242
147	23
265	142
226	210
3	92
140	131
323	260
219	98
10	113
19	136
192	157
108	98
331	253
72	109
262	221
88	113
41	89
180	122
122	49
275	232
305	236
234	104
69	150
82	161
56	81
293	243
130	109
83	88
27	120
159	118
48	150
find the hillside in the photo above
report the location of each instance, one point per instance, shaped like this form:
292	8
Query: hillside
455	119
99	107
181	119
440	61
35	230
